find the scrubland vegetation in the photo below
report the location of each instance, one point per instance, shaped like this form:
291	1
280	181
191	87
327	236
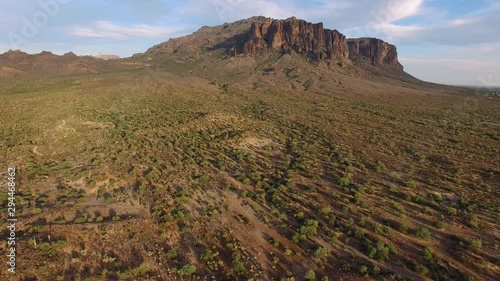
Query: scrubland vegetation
141	179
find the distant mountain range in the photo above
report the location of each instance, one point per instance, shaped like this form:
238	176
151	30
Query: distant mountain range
239	51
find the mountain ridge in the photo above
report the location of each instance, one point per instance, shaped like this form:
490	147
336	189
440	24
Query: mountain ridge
260	34
252	46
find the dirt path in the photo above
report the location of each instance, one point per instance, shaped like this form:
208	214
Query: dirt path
35	150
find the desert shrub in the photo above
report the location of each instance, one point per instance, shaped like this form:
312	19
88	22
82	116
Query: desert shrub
308	229
310	275
140	270
421	270
381	167
403	228
422	233
411	184
344	181
440	224
452	211
207	255
378	228
399	208
236	264
186	270
380	251
476	244
320	254
363	269
427	210
474	222
427	254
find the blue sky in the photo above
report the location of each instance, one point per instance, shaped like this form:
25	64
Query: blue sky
444	41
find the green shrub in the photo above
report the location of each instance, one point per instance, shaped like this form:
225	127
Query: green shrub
310	275
476	244
381	167
452	211
440	224
186	270
474	222
207	255
421	270
423	233
411	184
344	181
403	228
427	210
427	254
310	228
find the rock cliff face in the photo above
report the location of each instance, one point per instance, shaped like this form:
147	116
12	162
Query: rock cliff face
297	35
376	51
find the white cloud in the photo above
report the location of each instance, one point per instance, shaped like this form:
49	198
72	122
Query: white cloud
475	28
220	11
109	30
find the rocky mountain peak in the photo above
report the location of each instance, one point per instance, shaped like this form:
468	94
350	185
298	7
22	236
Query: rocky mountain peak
374	51
317	42
297	35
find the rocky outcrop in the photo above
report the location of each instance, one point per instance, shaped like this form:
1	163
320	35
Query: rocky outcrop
297	35
374	51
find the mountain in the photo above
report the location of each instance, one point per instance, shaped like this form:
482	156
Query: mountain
48	63
261	51
14	63
258	36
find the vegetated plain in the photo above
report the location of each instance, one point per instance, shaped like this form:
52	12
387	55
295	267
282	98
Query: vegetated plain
176	171
125	178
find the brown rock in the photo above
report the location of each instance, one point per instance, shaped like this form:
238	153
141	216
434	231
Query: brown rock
376	51
299	36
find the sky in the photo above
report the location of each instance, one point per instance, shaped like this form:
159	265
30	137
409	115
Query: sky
445	41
